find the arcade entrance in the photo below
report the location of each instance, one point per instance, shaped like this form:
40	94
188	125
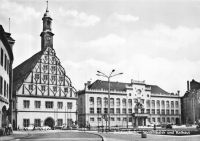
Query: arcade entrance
49	122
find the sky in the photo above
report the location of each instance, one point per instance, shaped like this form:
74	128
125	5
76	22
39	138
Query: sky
153	40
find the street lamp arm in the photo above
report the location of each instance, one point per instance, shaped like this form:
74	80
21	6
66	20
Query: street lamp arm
116	74
102	75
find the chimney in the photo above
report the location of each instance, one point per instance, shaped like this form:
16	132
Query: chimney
88	83
188	85
85	86
178	92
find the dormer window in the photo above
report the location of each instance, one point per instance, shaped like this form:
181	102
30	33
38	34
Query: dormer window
45	67
55	89
30	87
37	76
61	78
45	57
45	77
53	68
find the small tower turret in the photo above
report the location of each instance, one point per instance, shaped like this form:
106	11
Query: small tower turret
47	35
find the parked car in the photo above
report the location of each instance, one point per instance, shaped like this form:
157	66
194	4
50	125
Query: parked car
168	126
198	126
150	124
57	127
45	128
30	127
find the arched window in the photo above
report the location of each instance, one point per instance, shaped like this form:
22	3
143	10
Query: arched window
148	103
176	103
124	102
112	102
118	102
158	104
163	104
91	100
130	102
153	103
167	104
98	101
172	104
105	100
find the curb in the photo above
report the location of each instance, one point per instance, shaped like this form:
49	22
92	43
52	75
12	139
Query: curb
103	138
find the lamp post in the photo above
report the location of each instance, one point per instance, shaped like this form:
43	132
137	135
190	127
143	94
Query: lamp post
108	77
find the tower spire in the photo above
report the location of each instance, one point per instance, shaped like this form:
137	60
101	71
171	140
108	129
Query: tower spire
47	7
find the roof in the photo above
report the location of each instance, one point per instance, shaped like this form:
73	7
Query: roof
5	37
22	70
119	86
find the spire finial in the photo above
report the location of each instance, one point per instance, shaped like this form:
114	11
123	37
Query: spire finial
9	25
47	7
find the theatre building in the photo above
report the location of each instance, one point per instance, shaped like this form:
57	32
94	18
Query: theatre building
43	93
131	104
6	61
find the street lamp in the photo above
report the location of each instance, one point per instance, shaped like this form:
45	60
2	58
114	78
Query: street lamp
102	74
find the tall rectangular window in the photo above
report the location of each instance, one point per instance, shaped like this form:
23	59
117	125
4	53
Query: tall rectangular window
5	64
130	111
2	57
99	110
60	122
92	110
105	110
163	111
177	112
5	88
37	104
26	103
69	105
153	111
7	91
1	85
167	112
60	105
26	122
49	104
158	111
112	110
148	111
172	112
8	65
37	122
118	111
124	111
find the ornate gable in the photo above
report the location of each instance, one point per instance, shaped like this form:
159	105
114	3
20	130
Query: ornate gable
48	78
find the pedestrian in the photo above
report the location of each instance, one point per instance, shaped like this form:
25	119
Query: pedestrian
6	130
10	127
33	127
18	128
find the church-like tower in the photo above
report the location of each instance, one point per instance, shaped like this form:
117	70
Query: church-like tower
43	93
47	35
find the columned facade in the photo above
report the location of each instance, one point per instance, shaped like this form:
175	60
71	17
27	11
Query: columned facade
131	104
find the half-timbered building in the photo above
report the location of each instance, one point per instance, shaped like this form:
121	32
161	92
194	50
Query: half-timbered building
43	93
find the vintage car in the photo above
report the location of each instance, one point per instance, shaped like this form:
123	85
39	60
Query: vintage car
30	127
45	128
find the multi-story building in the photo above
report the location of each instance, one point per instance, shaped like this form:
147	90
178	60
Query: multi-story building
6	61
131	104
43	93
191	103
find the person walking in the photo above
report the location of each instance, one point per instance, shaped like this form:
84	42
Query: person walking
10	128
18	128
33	127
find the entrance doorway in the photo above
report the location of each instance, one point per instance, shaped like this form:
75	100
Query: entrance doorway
49	122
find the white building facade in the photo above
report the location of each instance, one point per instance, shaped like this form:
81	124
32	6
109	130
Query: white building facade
43	93
6	61
131	104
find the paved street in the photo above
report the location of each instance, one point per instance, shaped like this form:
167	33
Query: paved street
60	135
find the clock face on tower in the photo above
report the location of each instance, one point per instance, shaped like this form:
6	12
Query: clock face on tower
48	40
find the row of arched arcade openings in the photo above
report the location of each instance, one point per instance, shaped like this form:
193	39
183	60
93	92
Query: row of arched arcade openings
5	116
49	121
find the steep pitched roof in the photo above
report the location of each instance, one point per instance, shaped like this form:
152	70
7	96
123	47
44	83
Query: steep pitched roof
98	84
22	70
157	90
119	86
